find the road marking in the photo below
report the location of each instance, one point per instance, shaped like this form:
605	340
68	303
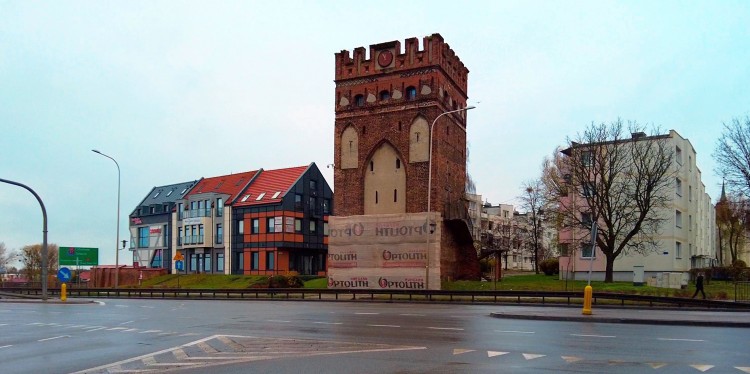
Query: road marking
702	367
384	325
96	329
129	330
462	351
34	323
189	334
117	328
125	323
412	315
329	323
148	331
147	306
656	365
446	328
531	356
571	359
366	313
3	324
496	353
594	336
741	368
121	306
515	332
76	326
180	354
10	345
681	340
278	320
206	348
56	337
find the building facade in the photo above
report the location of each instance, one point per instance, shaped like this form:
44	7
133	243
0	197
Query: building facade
281	223
386	100
151	225
686	238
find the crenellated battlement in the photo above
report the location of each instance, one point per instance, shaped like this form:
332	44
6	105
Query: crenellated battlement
388	57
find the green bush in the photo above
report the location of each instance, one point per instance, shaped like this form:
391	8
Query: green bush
550	266
739	264
285	281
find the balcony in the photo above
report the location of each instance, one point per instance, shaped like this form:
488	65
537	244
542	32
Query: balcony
191	240
195	213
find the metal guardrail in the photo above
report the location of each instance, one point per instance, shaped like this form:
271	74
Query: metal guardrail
742	292
486	297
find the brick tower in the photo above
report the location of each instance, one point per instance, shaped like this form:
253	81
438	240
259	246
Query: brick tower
385	105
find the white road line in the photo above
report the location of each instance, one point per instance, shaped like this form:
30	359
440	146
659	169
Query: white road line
681	340
96	329
53	338
75	326
366	313
148	331
277	320
446	328
412	315
117	328
329	323
384	325
515	332
3	324
5	346
147	306
129	330
125	323
593	336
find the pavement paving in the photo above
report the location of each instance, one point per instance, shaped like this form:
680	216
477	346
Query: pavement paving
677	317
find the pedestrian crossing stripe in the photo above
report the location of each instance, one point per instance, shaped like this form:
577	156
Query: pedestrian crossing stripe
530	356
656	365
571	359
702	368
494	353
742	368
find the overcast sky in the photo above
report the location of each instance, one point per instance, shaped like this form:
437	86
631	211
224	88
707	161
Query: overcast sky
178	90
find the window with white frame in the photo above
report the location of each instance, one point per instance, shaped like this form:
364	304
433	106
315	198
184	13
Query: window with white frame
586	251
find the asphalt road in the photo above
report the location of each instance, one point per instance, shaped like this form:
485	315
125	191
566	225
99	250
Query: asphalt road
340	337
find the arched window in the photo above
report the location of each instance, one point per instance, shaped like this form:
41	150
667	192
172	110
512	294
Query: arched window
359	100
385	95
411	93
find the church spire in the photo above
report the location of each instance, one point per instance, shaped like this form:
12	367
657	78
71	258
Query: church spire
723	192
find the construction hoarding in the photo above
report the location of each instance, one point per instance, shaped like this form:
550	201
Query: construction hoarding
384	251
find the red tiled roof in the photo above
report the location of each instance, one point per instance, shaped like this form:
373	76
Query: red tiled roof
231	184
270	182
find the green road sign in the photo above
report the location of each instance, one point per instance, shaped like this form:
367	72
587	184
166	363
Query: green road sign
77	256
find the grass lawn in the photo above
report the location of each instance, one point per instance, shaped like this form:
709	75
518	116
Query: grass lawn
527	282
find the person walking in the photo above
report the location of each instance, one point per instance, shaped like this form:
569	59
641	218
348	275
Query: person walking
699	286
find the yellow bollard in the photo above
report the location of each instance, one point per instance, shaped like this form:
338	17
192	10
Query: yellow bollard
587	300
63	292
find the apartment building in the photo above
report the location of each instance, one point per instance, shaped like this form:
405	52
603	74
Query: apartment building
686	238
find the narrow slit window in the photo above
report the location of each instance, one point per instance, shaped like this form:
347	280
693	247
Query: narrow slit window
372	166
395	196
398	163
376	197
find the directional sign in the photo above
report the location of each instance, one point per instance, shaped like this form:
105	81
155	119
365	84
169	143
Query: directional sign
78	256
63	275
179	257
179	265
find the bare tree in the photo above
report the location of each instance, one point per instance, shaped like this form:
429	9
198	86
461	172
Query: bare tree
32	260
732	155
533	201
732	220
615	181
4	256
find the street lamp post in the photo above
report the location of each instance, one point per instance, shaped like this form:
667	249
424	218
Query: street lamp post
117	241
429	188
44	234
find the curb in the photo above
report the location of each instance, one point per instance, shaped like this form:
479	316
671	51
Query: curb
49	301
632	321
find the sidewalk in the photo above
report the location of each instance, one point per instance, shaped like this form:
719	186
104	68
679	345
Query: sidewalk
715	318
